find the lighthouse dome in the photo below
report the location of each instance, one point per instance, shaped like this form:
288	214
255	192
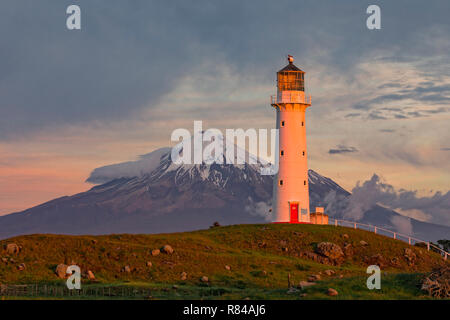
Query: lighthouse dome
291	78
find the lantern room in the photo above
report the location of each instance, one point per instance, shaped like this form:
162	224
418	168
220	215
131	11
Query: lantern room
291	84
291	77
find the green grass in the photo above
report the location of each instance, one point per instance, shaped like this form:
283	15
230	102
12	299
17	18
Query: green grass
259	267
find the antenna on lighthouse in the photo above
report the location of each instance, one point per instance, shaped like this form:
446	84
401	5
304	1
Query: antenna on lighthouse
290	58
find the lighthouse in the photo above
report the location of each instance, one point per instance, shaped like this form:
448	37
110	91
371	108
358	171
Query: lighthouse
290	190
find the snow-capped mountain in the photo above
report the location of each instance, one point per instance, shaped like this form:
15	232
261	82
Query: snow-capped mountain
155	195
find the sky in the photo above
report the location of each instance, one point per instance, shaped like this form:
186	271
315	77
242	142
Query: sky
75	100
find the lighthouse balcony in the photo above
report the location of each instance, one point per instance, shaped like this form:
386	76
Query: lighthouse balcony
290	97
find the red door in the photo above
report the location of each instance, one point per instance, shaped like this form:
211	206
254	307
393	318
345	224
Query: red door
294	212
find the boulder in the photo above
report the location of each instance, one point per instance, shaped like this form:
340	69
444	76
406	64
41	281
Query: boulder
21	267
376	259
61	270
262	244
156	252
149	264
126	269
314	277
285	249
348	250
12	248
3	289
345	236
183	276
363	243
395	262
90	275
204	279
330	250
410	256
332	292
316	257
329	272
227	267
167	249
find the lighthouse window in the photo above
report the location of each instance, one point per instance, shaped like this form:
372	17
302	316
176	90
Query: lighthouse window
303	152
291	81
303	123
282	152
282	123
304	182
281	182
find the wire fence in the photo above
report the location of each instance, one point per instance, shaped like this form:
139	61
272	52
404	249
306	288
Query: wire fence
58	291
389	233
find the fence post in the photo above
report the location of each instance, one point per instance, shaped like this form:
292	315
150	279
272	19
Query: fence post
335	222
428	246
375	230
395	235
409	241
355	225
445	256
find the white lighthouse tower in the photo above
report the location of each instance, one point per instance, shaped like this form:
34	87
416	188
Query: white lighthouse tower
290	192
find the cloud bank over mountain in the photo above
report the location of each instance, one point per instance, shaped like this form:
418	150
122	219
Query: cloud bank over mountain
434	208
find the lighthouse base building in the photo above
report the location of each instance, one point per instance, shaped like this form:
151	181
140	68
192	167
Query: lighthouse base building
290	190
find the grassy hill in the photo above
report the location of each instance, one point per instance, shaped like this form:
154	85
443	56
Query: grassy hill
260	260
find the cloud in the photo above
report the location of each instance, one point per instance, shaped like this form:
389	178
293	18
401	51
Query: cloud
128	57
342	149
402	92
434	208
415	214
376	116
262	209
365	196
402	224
438	110
145	165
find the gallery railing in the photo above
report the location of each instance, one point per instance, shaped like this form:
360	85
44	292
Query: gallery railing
292	98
